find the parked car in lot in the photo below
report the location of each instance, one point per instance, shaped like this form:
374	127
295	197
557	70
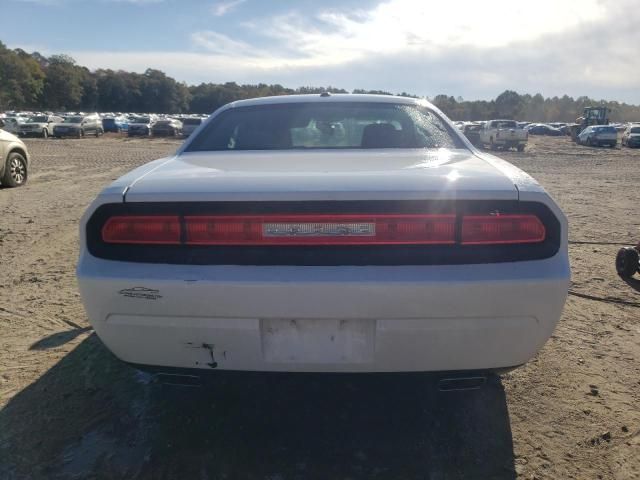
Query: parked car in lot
543	129
167	127
190	124
141	126
39	126
563	127
631	136
325	233
598	135
14	159
503	134
78	126
12	125
115	124
472	132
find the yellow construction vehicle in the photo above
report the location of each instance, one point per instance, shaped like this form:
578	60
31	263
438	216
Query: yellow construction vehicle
590	116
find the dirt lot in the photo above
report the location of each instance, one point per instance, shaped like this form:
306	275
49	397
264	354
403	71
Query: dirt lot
69	409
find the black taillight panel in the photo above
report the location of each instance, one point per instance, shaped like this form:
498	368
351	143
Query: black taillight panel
324	255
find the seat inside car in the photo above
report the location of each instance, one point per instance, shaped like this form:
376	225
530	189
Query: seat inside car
381	135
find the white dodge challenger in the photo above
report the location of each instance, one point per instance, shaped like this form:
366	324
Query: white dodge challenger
325	233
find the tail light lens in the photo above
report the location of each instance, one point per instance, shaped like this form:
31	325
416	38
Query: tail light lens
501	229
135	229
305	229
320	230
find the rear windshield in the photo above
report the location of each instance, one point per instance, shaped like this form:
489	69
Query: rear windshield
330	125
506	124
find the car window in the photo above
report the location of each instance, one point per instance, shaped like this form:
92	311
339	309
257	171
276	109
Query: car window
635	130
331	125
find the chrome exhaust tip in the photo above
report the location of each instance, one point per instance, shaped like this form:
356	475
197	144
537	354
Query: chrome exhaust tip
455	384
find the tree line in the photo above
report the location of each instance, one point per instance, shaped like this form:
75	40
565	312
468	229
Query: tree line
31	81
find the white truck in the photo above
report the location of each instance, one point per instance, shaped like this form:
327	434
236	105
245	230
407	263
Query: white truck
503	134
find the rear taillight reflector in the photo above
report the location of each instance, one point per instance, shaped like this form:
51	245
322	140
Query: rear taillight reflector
320	230
149	229
324	229
501	229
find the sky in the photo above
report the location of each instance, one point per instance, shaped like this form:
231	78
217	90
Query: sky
474	49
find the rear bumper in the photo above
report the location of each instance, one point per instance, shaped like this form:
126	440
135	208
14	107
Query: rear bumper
66	133
325	319
507	142
605	141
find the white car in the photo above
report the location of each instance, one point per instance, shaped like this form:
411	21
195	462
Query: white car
598	135
190	124
503	134
39	126
141	126
14	160
325	233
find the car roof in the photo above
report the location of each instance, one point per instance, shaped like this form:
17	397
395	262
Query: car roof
331	98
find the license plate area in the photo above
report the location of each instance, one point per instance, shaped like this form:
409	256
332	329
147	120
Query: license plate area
318	341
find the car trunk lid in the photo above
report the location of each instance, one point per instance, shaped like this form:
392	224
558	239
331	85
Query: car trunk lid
390	174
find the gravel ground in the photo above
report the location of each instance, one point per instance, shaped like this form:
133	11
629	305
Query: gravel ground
69	409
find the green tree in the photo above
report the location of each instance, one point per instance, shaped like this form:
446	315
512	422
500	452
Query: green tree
508	105
63	87
21	79
161	93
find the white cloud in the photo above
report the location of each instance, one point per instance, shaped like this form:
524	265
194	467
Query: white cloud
413	25
584	48
222	7
218	43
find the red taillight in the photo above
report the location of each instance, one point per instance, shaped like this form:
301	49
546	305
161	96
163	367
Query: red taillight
324	229
149	229
501	229
359	229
